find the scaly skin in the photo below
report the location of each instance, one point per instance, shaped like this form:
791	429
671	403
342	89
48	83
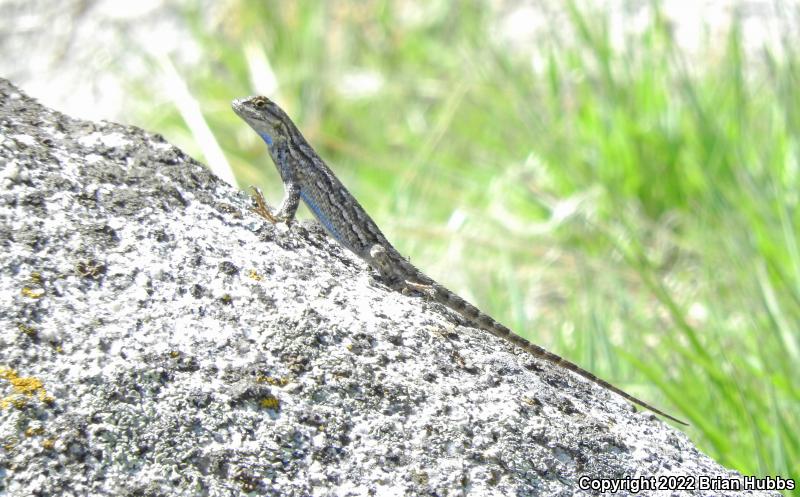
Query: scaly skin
306	176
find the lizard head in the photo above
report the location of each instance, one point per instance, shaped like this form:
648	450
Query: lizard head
264	116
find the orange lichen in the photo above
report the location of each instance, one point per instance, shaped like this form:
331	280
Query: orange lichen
34	293
24	328
32	431
272	380
10	443
270	402
24	389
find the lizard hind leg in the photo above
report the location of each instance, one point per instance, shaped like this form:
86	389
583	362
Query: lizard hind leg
379	259
391	272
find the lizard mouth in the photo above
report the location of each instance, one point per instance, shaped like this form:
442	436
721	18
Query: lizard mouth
238	105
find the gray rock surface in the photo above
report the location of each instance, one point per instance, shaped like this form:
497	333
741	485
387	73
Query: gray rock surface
156	338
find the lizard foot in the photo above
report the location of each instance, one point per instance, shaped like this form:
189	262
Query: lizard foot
261	207
428	290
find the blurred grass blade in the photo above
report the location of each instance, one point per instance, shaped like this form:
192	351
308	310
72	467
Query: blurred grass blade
189	109
787	334
262	77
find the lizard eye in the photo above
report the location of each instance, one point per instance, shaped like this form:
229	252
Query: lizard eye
260	103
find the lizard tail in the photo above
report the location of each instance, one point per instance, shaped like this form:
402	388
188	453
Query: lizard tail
486	322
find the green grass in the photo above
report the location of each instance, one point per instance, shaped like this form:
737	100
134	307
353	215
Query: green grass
635	210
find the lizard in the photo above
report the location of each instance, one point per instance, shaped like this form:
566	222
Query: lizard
306	176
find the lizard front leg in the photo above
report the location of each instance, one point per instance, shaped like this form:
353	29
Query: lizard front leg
287	209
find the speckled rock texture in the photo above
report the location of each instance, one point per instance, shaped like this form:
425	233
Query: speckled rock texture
158	339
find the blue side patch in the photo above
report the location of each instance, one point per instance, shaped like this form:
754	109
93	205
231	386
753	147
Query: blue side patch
266	138
322	217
